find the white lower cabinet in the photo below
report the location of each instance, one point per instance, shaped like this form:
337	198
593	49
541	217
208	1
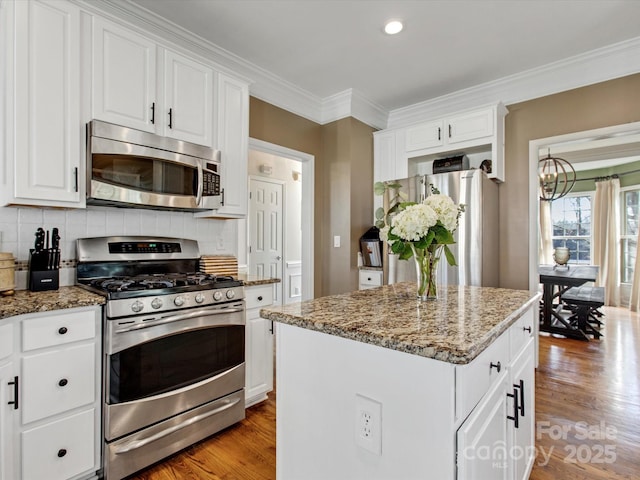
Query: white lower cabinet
7	397
61	449
369	279
496	441
54	430
258	345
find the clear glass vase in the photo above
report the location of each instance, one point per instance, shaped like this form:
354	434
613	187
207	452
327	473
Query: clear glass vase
426	266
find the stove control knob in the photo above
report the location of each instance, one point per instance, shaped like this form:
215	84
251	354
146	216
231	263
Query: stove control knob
230	294
199	298
156	303
137	306
178	301
217	296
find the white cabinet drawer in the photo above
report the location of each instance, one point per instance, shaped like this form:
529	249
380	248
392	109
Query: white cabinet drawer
259	296
370	278
59	450
57	381
58	328
521	331
474	379
6	340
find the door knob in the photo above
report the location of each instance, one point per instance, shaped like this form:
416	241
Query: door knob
278	257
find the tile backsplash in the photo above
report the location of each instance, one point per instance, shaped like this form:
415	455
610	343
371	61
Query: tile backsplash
18	227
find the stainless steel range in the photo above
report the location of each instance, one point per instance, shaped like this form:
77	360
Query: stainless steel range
173	357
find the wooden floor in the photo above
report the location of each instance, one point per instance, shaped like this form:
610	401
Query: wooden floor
587	417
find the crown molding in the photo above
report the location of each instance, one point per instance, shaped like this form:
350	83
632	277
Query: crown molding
614	61
607	63
263	84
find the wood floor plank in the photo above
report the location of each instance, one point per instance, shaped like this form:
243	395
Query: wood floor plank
576	381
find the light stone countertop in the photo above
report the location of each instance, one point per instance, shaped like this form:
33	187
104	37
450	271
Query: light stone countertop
25	301
455	328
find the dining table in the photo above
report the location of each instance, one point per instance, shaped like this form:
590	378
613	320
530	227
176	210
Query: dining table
556	280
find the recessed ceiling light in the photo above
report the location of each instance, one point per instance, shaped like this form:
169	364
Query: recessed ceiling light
393	26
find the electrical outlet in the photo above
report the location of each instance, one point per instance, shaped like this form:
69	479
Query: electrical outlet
368	424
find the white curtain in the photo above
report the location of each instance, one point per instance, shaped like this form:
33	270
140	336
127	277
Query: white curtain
634	303
545	252
606	249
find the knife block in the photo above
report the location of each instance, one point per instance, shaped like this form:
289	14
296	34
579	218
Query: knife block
41	278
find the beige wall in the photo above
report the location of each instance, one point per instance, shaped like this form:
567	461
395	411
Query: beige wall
348	152
609	103
343	204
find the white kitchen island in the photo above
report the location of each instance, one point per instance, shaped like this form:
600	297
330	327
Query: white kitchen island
373	385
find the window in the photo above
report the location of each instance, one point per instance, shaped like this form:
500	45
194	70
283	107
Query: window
571	217
629	233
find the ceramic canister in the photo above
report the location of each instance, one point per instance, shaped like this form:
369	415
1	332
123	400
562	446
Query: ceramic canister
7	272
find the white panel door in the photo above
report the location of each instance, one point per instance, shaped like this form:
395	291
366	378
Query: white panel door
124	77
188	100
47	113
265	232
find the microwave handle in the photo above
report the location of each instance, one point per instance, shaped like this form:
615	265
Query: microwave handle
200	184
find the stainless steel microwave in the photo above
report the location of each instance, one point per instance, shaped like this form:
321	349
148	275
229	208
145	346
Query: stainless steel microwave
132	168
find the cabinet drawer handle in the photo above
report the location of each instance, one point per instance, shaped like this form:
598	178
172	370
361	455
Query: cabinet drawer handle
62	330
439	133
62	452
449	130
527	329
516	416
14	402
497	366
260	298
520	386
369	279
63	382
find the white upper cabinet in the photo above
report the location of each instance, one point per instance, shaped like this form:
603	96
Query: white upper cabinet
232	139
42	128
479	134
139	84
188	99
124	77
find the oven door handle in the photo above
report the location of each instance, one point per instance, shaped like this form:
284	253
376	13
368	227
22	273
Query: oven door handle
176	318
135	444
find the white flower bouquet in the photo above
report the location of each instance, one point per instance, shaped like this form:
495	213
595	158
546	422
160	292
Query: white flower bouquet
423	231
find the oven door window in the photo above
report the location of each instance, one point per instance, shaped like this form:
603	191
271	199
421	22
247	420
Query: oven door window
145	174
174	362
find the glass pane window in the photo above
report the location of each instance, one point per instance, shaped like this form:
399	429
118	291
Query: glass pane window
629	237
571	217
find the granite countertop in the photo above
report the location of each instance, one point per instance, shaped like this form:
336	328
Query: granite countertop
455	328
25	301
253	280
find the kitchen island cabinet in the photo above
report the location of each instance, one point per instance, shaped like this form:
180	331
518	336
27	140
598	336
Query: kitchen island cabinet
386	387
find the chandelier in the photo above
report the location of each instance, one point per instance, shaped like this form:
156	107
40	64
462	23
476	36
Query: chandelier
556	176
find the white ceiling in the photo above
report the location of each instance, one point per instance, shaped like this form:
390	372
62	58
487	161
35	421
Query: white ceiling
328	46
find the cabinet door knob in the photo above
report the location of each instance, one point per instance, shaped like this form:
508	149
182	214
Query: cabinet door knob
62	452
62	330
497	366
260	298
63	382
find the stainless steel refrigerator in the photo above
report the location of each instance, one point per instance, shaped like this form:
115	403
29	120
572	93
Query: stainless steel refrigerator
477	238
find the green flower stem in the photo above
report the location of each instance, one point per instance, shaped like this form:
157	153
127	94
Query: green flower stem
426	264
